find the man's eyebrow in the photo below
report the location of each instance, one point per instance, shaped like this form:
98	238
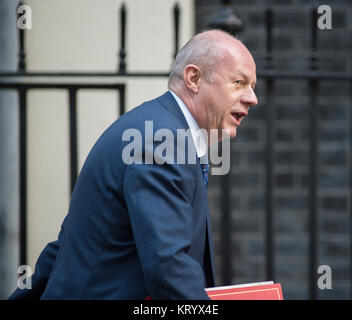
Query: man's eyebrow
243	75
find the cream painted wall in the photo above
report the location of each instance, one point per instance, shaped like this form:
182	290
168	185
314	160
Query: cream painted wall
82	35
48	166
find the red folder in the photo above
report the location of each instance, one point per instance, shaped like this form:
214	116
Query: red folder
250	291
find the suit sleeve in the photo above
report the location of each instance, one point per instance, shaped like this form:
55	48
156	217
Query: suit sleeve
159	198
41	273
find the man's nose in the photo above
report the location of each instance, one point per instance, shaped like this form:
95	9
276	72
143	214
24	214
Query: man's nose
250	99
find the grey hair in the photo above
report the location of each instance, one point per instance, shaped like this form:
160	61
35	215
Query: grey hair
202	51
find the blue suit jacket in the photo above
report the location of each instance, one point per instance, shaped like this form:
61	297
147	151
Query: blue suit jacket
132	230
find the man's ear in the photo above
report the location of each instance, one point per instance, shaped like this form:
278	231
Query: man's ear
191	75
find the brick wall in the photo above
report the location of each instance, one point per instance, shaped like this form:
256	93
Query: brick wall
291	45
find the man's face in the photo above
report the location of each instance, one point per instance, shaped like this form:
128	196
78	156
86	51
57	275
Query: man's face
224	101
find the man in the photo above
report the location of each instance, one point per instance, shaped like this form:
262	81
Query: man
141	229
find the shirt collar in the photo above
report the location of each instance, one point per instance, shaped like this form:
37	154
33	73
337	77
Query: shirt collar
197	135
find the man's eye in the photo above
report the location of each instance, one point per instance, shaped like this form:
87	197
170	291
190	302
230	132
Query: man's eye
238	82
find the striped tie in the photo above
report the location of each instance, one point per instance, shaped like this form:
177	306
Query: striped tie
205	171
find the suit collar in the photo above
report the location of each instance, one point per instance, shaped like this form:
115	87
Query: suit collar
169	102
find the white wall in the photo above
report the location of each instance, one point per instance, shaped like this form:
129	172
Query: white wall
82	35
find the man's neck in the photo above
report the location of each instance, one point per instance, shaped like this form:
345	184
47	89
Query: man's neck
188	102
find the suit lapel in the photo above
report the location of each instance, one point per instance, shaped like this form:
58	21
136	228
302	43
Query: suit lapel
169	102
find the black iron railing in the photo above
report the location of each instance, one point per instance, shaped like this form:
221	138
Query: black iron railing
22	82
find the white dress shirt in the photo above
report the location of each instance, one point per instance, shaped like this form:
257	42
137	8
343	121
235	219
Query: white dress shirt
198	138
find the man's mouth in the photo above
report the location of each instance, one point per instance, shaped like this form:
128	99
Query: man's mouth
238	116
